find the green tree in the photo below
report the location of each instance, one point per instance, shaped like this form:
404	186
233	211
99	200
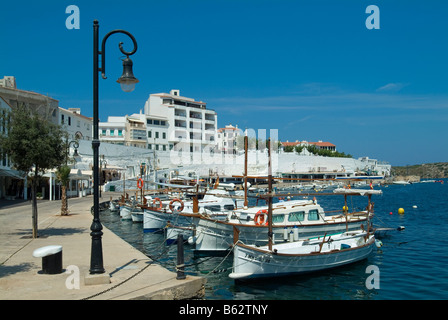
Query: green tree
34	145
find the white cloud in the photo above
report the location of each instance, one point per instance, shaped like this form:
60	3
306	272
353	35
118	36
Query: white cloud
391	87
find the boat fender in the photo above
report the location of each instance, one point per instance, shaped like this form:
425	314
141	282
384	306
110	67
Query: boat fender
285	233
191	240
296	233
291	236
261	217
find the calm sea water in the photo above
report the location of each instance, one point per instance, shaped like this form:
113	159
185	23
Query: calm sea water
412	263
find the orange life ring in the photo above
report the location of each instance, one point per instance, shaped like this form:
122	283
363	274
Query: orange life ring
181	205
260	217
140	183
160	203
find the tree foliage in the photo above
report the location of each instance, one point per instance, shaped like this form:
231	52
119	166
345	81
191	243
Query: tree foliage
33	144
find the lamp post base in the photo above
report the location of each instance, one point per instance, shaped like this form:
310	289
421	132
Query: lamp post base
94	279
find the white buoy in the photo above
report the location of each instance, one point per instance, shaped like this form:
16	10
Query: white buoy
414	206
378	243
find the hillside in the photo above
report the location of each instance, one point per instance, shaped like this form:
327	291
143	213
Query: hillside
424	171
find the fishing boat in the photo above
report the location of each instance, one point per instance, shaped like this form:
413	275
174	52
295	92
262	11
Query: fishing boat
216	203
301	219
114	206
137	215
301	256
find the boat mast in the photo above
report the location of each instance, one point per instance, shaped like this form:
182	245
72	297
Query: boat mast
245	170
270	233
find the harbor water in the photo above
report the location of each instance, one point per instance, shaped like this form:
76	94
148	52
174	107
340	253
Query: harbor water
410	264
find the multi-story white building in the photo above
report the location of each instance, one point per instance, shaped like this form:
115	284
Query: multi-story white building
188	124
78	127
135	133
113	131
227	139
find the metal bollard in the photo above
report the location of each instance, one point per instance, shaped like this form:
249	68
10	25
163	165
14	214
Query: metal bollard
180	258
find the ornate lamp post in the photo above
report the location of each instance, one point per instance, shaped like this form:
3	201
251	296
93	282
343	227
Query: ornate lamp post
127	81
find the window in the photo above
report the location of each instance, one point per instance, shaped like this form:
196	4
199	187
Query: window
157	147
149	121
157	122
229	207
69	121
163	135
149	134
149	146
164	147
313	215
162	123
296	216
213	208
62	118
278	218
112	132
103	132
157	135
120	133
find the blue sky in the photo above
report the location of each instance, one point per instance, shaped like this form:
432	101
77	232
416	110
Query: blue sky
310	69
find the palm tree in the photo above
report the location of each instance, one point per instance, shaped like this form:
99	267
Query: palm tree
63	175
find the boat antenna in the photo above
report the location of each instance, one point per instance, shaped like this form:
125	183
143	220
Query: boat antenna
270	234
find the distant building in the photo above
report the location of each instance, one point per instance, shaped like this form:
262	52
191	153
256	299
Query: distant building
45	106
227	139
188	124
11	182
320	144
113	131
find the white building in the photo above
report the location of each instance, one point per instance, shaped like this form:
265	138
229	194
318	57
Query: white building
227	139
11	182
188	124
113	131
78	127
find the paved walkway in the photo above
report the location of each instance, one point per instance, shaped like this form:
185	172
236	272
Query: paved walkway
132	274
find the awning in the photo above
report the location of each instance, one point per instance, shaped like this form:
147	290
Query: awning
11	173
77	174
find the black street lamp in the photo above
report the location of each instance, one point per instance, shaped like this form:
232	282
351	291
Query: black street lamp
75	153
127	81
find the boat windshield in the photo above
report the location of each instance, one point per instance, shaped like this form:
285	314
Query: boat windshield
296	216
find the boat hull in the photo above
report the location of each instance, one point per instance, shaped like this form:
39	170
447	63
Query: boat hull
154	220
219	235
251	262
137	216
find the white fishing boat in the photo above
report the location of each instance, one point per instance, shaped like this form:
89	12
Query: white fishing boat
125	211
128	208
114	206
302	219
301	256
137	215
216	203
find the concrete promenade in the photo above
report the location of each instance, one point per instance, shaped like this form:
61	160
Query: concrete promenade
132	274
